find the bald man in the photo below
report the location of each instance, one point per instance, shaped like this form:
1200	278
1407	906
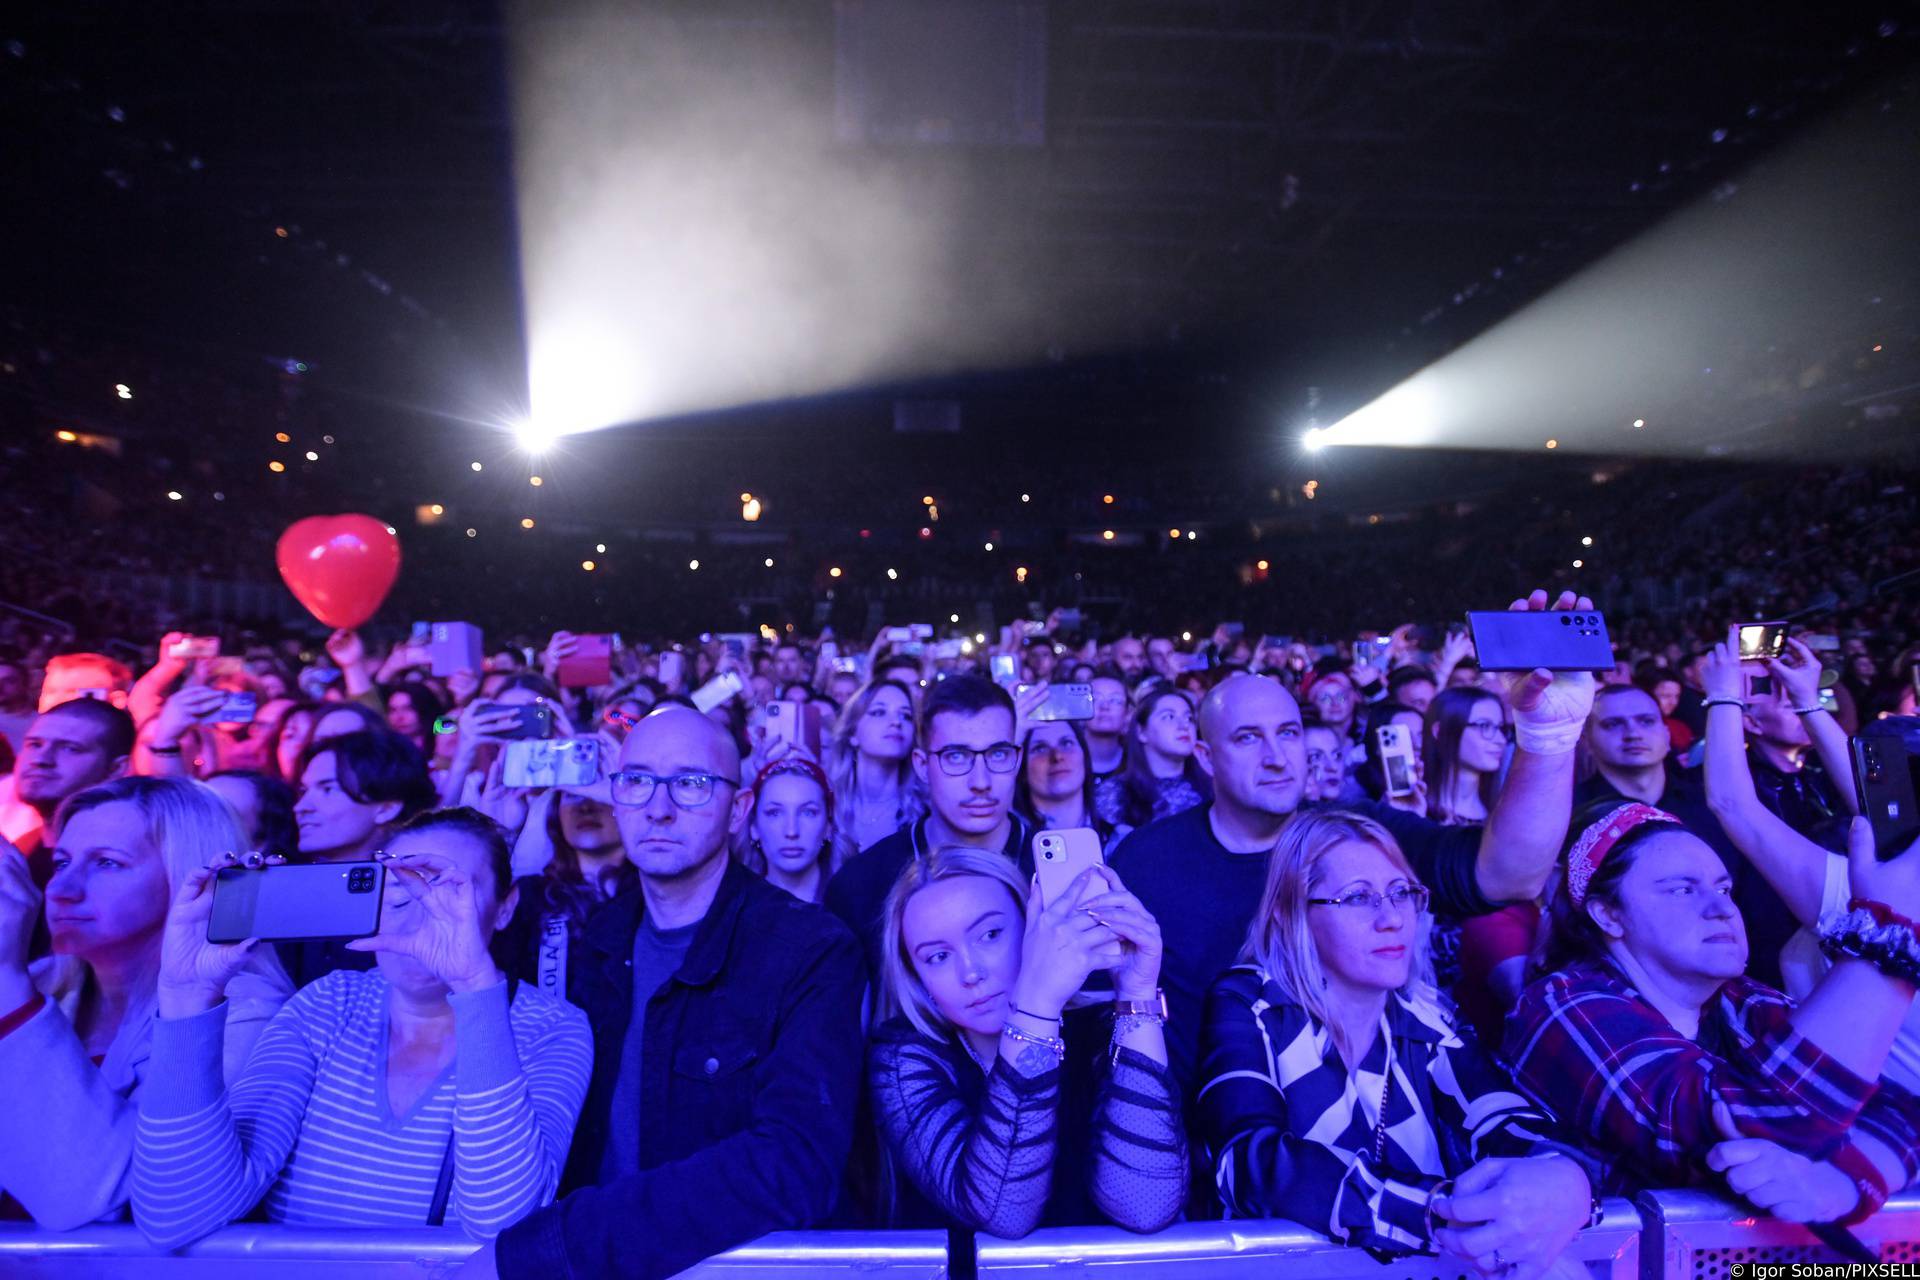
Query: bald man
1201	872
727	1040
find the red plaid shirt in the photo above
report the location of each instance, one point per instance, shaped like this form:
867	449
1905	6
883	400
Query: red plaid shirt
1584	1044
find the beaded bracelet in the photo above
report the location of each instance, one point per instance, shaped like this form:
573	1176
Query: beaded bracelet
1891	948
1723	702
1052	1044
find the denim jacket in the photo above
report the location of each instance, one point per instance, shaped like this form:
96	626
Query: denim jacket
752	1067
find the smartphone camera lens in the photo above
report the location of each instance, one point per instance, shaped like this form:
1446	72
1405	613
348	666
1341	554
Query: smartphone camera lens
360	880
1566	619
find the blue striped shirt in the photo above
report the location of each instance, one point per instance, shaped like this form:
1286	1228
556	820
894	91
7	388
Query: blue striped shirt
307	1122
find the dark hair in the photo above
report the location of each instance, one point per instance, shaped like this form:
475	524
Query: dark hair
1447	720
271	765
377	766
370	720
568	890
1023	794
532	681
474	824
274	800
1371	773
110	724
1400	677
963	695
1571	935
426	705
1139	788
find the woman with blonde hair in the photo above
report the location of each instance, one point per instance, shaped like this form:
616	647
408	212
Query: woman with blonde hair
969	1079
870	764
1337	1091
79	1023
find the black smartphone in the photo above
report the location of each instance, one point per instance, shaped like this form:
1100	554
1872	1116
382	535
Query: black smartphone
536	720
1555	640
1883	781
297	902
239	708
1762	640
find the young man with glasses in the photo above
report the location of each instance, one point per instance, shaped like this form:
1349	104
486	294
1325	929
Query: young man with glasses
968	760
727	1041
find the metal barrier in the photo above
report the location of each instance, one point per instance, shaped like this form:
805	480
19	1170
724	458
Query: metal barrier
1664	1235
120	1252
1263	1250
1691	1235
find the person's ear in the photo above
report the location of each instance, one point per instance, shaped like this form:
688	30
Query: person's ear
1204	754
118	767
920	765
387	812
742	807
508	905
1605	919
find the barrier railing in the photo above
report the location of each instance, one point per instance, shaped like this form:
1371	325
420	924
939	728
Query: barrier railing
1664	1235
1264	1250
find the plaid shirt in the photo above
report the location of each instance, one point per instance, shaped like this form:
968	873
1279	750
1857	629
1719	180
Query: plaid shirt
1586	1046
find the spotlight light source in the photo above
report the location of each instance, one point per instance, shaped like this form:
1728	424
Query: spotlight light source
1586	541
122	390
769	562
1314	439
477	467
1579	564
1638	423
1107	534
1026	497
65	437
600	547
173	495
893	575
283	437
1186	637
312	456
473	533
535	481
989	546
587	565
750	509
834	572
1191	535
526	522
437	509
1261	565
276	467
534	437
693	566
953	617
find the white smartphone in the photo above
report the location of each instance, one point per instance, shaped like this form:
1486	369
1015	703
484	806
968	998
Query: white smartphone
717	690
1060	856
1396	758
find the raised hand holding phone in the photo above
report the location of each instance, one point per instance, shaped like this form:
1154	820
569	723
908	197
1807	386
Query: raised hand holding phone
194	972
432	916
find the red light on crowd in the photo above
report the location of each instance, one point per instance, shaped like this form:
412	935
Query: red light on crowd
866	533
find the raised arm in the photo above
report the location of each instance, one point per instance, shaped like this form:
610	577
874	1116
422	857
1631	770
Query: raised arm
1521	842
1791	863
1798	672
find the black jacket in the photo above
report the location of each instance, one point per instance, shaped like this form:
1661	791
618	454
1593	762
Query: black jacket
753	1062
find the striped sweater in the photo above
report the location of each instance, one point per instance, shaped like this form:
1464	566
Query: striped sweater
307	1123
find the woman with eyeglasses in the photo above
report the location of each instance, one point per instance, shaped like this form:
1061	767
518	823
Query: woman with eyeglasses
1161	776
1055	787
1339	1094
870	764
1466	746
978	1074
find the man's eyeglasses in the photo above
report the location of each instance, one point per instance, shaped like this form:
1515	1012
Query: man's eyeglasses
1490	728
1399	896
633	787
957	762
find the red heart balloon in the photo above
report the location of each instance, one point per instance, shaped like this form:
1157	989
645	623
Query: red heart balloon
339	567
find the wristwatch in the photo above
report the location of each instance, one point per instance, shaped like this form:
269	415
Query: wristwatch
1154	1008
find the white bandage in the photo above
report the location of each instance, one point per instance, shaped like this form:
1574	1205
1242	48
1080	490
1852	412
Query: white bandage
1553	727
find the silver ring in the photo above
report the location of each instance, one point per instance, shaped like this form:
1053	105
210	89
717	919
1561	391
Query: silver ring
1499	1263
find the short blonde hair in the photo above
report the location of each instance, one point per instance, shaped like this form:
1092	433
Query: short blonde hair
901	991
1281	943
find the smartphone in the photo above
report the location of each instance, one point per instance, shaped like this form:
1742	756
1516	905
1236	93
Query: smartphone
1234	630
1060	856
797	723
1396	757
726	685
737	643
239	708
946	651
829	653
1066	702
455	647
1372	649
1185	662
551	762
295	902
1762	640
536	720
1828	702
590	665
421	633
195	647
852	664
1005	668
1555	640
911	649
672	667
1883	781
1069	620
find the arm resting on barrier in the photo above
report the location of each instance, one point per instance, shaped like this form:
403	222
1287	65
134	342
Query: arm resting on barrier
989	1170
66	1138
1140	1162
513	1115
203	1155
1615	1070
782	1172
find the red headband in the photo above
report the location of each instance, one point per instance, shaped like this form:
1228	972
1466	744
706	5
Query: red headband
1600	839
795	764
